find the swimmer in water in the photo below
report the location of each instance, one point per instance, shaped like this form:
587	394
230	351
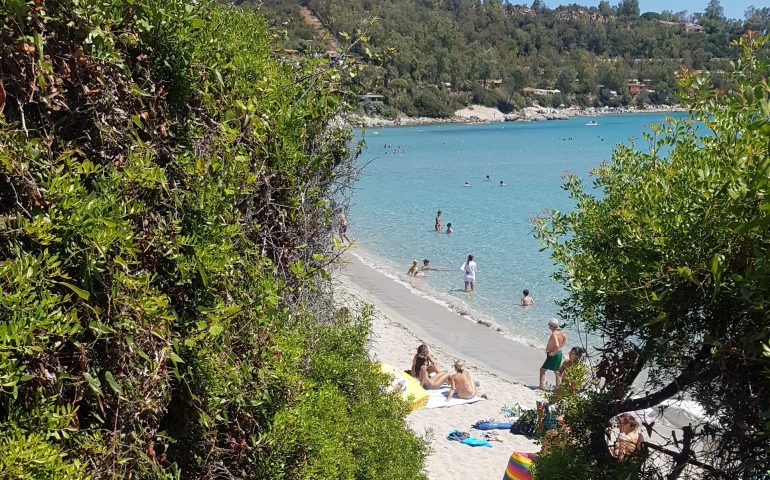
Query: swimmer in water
467	184
449	228
502	183
413	270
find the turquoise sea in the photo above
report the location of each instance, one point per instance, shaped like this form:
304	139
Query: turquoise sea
395	201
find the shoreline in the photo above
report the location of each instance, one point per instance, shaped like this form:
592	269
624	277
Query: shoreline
400	322
437	324
477	114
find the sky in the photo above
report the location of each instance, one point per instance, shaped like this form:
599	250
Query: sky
733	8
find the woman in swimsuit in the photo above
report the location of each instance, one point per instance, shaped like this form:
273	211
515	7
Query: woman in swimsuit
413	270
629	440
461	383
428	382
422	352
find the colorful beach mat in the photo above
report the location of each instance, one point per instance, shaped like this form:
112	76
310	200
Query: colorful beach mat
518	466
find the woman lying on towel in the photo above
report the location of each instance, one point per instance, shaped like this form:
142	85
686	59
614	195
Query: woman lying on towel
461	383
421	369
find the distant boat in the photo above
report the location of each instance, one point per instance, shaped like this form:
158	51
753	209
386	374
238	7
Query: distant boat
592	123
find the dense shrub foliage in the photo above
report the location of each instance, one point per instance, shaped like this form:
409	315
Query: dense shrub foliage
167	187
666	261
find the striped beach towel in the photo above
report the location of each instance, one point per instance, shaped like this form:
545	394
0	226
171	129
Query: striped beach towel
518	466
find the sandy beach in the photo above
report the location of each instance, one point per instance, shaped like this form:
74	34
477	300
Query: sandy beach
505	369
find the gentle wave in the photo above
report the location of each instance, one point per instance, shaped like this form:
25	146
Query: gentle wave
452	305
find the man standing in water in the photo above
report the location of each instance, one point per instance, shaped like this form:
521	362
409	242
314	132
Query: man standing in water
469	277
553	352
437	227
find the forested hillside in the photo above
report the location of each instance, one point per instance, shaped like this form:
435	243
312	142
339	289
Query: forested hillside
430	57
169	184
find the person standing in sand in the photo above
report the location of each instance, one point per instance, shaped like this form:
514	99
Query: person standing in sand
526	300
437	226
469	276
461	382
553	352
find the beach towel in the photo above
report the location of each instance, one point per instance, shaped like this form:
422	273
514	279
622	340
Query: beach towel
518	466
437	399
463	437
407	385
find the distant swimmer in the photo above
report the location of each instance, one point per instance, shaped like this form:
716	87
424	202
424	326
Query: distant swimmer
449	228
526	300
487	179
427	266
437	226
467	184
503	184
413	270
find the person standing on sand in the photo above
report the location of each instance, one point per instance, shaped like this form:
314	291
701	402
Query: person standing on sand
437	226
553	352
469	276
526	300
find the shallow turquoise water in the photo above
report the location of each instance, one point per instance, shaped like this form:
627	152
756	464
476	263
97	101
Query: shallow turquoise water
396	199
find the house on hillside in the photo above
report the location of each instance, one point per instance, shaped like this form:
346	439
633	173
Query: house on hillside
693	27
539	91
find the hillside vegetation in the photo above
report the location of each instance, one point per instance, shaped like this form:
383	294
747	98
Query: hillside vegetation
432	57
167	188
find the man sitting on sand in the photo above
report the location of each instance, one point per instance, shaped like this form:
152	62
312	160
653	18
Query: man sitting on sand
553	352
526	300
461	382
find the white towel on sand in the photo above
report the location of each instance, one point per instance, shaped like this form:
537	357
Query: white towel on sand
437	399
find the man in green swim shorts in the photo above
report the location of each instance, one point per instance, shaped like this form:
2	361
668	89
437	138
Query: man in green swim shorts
553	352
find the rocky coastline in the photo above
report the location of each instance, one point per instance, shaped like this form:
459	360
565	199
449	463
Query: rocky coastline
481	114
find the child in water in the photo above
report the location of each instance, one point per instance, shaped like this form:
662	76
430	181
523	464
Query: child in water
449	228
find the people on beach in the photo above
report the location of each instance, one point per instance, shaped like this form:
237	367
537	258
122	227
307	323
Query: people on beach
629	440
437	226
430	362
526	300
449	228
428	382
575	354
343	227
553	352
461	383
469	275
413	270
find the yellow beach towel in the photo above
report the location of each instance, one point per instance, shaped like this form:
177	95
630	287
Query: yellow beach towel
410	388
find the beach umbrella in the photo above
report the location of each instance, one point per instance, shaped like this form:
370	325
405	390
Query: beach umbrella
410	387
518	466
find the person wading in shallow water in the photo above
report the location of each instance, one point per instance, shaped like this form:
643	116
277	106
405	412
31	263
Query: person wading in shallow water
437	226
553	352
469	274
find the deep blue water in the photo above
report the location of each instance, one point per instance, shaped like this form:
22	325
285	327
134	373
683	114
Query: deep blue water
396	199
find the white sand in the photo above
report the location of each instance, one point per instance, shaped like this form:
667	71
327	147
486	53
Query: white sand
402	321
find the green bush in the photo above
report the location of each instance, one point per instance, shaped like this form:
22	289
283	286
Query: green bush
167	183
